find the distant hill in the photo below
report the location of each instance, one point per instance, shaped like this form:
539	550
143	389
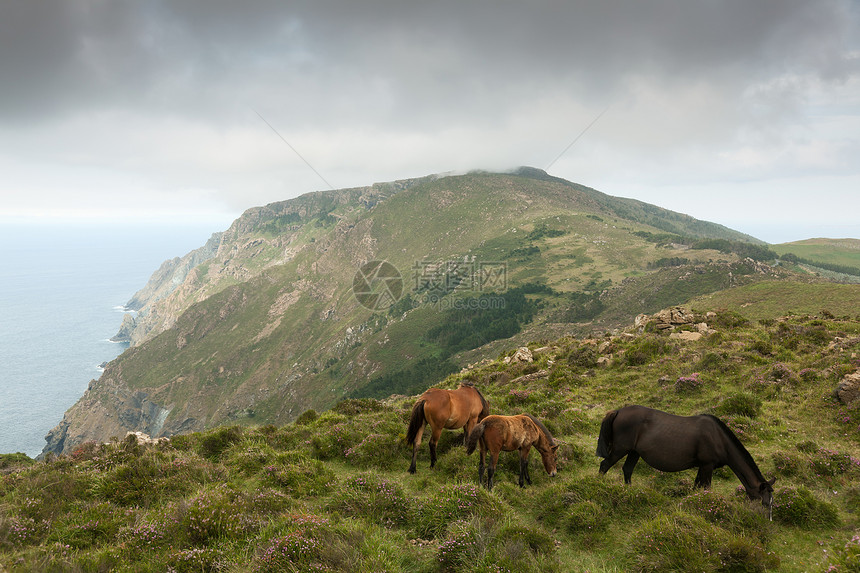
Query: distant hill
292	308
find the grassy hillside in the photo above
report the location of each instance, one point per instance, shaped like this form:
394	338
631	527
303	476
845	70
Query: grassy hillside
834	258
330	490
272	326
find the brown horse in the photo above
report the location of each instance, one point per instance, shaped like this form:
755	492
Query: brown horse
444	409
672	443
509	433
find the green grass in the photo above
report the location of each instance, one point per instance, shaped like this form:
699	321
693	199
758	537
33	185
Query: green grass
331	491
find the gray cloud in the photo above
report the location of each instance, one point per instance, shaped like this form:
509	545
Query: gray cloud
163	94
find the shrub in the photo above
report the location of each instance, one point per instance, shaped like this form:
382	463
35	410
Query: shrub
299	475
582	357
377	450
307	417
728	319
689	383
646	349
372	498
739	404
830	463
215	442
17	460
612	497
355	407
788	464
685	542
300	548
450	503
88	524
798	506
739	516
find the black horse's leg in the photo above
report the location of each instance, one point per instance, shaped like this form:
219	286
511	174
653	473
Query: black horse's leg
628	466
703	477
611	460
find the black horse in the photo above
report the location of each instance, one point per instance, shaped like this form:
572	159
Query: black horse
672	443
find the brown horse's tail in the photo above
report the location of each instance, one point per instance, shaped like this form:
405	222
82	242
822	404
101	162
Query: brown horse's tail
416	422
604	440
474	438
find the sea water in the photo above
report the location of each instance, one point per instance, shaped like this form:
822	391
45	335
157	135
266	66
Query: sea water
62	293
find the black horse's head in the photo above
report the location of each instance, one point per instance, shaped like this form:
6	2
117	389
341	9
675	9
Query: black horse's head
765	493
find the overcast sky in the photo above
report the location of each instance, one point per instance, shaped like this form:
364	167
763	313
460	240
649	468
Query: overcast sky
741	112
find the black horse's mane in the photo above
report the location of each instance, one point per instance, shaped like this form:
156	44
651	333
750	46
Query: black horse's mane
542	428
736	441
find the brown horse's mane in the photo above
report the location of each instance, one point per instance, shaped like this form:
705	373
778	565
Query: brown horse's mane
736	441
543	429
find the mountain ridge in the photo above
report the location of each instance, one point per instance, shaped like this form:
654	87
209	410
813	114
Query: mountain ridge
270	324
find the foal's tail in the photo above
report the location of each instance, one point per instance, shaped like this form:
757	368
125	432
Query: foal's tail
604	440
416	422
474	437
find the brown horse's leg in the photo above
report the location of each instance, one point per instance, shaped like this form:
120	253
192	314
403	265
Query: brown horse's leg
491	470
434	437
524	467
703	477
415	447
481	463
628	466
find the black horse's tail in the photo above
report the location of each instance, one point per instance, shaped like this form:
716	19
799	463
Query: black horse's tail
474	437
416	421
604	440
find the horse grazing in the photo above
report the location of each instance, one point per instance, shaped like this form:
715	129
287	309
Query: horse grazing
509	433
444	409
671	443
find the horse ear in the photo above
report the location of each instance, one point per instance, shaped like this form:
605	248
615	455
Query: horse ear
771	482
555	447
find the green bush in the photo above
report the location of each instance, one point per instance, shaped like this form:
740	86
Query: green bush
739	404
87	524
374	499
307	417
685	542
584	356
646	349
299	475
710	361
799	507
302	547
739	516
215	442
449	503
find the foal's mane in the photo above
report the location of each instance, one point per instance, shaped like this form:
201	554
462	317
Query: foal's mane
543	429
737	443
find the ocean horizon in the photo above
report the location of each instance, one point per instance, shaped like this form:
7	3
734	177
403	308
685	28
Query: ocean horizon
63	288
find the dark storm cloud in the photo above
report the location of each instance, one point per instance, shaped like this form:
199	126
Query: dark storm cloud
411	62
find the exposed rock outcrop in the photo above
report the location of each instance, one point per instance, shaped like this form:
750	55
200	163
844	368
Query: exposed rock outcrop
848	390
107	408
